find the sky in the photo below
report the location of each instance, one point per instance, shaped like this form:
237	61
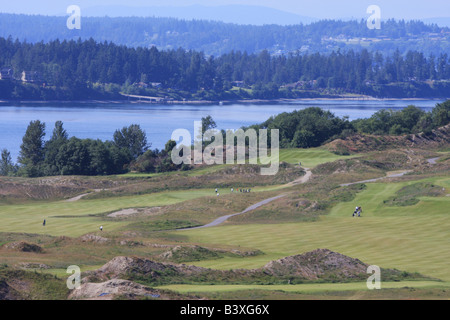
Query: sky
322	9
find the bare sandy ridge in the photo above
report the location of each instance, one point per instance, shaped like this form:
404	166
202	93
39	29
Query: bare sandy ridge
313	265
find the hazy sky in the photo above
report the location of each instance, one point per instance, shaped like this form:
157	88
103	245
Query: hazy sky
399	9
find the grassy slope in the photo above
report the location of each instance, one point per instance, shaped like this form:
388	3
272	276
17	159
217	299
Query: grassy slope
304	288
414	238
27	218
78	220
310	158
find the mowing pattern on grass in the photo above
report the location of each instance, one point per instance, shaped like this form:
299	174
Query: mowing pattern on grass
404	290
414	238
309	158
409	195
405	223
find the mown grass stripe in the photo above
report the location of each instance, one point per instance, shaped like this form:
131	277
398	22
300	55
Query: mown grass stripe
414	238
305	288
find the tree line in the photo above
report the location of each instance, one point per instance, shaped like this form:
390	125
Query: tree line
410	120
61	155
130	151
64	155
312	127
74	70
217	38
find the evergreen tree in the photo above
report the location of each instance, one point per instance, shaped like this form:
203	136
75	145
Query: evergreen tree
7	167
31	154
133	139
208	123
52	147
441	114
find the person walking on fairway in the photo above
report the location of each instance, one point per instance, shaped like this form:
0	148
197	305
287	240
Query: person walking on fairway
43	223
101	228
357	212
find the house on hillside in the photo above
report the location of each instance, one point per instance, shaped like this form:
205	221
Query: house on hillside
156	84
239	84
147	85
31	76
6	74
140	84
295	85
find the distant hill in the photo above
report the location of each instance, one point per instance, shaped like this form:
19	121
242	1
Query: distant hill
238	14
442	22
216	38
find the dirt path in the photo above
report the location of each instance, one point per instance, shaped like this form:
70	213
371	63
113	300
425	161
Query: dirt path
389	175
82	195
303	179
224	218
78	197
433	160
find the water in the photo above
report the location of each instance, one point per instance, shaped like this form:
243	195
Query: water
99	121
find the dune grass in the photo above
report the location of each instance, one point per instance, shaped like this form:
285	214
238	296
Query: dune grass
413	238
309	158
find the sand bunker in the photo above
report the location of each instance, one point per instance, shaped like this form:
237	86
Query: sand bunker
124	212
131	211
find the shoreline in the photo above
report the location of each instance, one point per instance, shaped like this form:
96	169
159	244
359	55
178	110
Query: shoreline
224	102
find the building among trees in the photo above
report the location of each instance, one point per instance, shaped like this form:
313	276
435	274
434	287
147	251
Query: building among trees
31	76
6	74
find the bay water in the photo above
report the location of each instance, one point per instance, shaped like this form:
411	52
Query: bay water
100	120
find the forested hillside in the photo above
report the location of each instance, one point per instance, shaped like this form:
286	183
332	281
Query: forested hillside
216	38
74	70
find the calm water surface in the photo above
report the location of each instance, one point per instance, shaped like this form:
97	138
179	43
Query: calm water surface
99	121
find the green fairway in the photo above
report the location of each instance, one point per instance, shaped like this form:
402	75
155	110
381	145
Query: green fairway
409	236
80	217
372	202
310	158
305	288
413	238
75	218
